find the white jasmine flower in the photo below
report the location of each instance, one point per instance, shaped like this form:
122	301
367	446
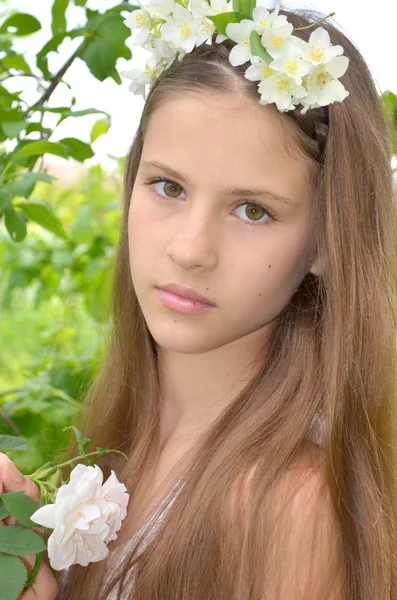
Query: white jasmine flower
85	517
201	10
291	63
240	33
160	9
139	80
275	40
319	49
258	70
266	20
161	50
282	90
323	84
140	24
181	29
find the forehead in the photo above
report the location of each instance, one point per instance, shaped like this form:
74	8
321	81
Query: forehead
225	139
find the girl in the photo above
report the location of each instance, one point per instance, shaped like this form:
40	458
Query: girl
260	420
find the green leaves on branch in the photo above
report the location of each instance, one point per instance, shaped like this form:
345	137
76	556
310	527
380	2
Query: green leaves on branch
44	217
20	24
58	16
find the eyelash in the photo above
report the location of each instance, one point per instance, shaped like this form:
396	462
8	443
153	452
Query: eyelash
154	180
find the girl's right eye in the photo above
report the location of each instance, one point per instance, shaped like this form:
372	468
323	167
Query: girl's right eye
170	188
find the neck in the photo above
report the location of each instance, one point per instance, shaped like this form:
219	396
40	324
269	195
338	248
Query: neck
196	388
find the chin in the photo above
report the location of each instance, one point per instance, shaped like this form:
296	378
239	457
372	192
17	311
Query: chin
174	337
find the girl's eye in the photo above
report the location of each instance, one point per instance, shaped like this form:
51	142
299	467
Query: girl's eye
170	189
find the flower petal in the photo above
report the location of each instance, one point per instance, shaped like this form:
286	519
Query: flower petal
320	37
239	55
45	516
338	66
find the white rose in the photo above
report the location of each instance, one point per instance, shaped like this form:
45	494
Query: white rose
85	517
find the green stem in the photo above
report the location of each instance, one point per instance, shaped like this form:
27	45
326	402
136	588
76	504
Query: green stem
316	23
38	476
36	567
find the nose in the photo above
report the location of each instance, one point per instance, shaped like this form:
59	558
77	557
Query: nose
194	242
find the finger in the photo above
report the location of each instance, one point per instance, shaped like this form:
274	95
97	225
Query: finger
14	481
45	586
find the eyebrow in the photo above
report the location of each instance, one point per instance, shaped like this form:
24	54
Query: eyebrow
233	191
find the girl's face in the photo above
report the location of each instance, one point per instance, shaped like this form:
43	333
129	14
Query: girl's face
198	225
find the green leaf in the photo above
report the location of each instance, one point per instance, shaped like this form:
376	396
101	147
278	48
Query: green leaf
24	185
23	24
12	442
20	541
39	148
13	575
257	49
78	150
113	31
82	442
81	113
16	61
50	46
80	2
21	507
125	7
13	128
99	128
100	58
102	451
5	198
58	11
244	6
3	511
16	226
222	20
44	217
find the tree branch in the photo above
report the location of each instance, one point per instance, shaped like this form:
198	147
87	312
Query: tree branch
55	80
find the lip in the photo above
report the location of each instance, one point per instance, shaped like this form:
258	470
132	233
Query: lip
183	304
185	293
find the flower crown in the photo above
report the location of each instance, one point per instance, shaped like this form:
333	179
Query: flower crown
289	70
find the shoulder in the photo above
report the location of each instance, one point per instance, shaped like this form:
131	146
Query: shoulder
304	555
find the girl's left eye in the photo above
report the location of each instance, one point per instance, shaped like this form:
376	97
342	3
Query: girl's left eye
172	189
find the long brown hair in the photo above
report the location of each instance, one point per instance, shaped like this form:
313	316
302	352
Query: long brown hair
332	353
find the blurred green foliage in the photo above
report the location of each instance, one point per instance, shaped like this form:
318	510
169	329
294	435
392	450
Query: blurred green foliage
57	242
54	298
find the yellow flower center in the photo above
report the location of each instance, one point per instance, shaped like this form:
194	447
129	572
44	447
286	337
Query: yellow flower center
141	20
247	43
283	85
323	78
185	30
263	22
225	9
277	41
267	72
293	66
208	25
317	54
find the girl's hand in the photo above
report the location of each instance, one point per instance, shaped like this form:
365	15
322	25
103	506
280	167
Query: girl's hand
45	586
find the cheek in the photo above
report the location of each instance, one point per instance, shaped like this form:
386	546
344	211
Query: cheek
268	275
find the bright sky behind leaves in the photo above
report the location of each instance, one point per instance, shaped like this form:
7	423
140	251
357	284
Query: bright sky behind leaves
372	31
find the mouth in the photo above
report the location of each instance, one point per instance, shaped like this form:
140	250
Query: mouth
182	304
186	293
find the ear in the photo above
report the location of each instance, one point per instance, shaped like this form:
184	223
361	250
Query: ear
317	267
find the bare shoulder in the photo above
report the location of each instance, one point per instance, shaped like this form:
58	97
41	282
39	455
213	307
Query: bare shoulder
304	554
